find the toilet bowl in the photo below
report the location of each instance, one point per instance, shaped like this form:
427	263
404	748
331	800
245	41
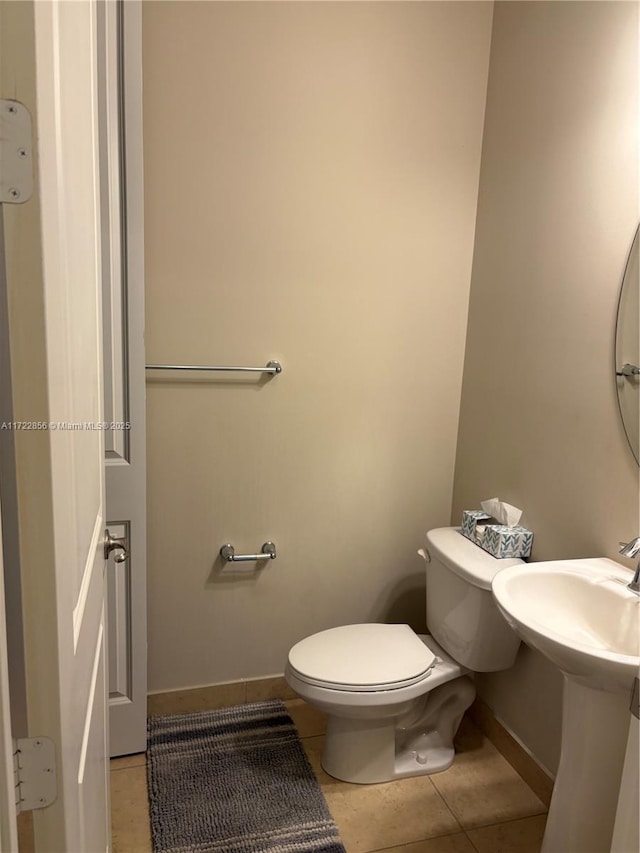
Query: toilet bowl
394	698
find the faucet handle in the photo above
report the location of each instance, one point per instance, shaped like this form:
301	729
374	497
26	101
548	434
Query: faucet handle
630	549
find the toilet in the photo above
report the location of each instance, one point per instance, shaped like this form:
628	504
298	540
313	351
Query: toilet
394	698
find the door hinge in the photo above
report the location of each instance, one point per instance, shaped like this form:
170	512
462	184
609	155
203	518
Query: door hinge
34	771
16	153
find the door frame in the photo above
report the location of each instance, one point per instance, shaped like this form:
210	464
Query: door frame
124	369
8	822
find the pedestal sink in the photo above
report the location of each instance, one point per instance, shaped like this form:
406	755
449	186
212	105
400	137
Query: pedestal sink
580	615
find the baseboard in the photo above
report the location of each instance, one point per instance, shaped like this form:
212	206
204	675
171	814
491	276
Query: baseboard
522	762
218	696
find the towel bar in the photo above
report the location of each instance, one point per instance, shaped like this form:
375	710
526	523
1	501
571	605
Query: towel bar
272	367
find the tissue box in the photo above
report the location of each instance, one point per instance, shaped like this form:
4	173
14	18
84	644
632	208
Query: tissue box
503	541
498	540
470	519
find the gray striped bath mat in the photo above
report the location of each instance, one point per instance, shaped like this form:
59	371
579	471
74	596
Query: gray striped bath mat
235	780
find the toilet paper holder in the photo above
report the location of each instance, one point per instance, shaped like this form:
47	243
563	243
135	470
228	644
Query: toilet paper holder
228	553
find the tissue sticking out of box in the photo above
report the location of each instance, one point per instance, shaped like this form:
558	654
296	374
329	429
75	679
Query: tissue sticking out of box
502	511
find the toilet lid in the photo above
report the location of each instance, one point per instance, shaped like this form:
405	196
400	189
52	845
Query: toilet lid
362	657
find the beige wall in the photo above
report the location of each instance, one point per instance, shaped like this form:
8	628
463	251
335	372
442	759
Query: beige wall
311	174
558	206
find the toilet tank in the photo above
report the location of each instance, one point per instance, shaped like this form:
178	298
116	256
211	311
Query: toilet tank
461	613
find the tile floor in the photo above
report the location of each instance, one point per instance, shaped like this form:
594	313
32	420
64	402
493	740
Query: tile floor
479	805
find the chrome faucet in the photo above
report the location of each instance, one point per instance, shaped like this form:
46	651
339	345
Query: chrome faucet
632	550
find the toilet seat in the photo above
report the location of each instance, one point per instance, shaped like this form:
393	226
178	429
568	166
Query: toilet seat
362	658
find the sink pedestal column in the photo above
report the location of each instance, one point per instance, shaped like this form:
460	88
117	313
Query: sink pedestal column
585	795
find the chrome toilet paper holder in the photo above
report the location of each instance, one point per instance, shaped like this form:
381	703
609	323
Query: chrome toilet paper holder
228	553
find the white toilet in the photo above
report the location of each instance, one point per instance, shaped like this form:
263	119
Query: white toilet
395	699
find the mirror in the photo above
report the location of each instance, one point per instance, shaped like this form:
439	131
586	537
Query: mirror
628	350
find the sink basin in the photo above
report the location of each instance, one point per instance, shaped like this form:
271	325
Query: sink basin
579	614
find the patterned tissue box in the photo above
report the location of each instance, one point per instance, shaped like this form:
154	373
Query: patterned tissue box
498	540
503	541
470	519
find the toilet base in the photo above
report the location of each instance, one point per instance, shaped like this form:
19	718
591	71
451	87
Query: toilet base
420	743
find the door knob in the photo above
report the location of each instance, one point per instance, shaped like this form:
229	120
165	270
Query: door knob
119	545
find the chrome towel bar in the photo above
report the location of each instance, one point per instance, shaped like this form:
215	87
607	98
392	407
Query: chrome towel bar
272	367
228	553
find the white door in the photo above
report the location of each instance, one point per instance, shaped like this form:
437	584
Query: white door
120	31
54	282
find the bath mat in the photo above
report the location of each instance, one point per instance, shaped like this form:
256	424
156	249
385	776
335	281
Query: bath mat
235	780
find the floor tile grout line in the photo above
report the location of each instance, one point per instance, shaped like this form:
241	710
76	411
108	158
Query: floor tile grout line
502	822
544	810
457	819
494	822
470	840
123	769
415	841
